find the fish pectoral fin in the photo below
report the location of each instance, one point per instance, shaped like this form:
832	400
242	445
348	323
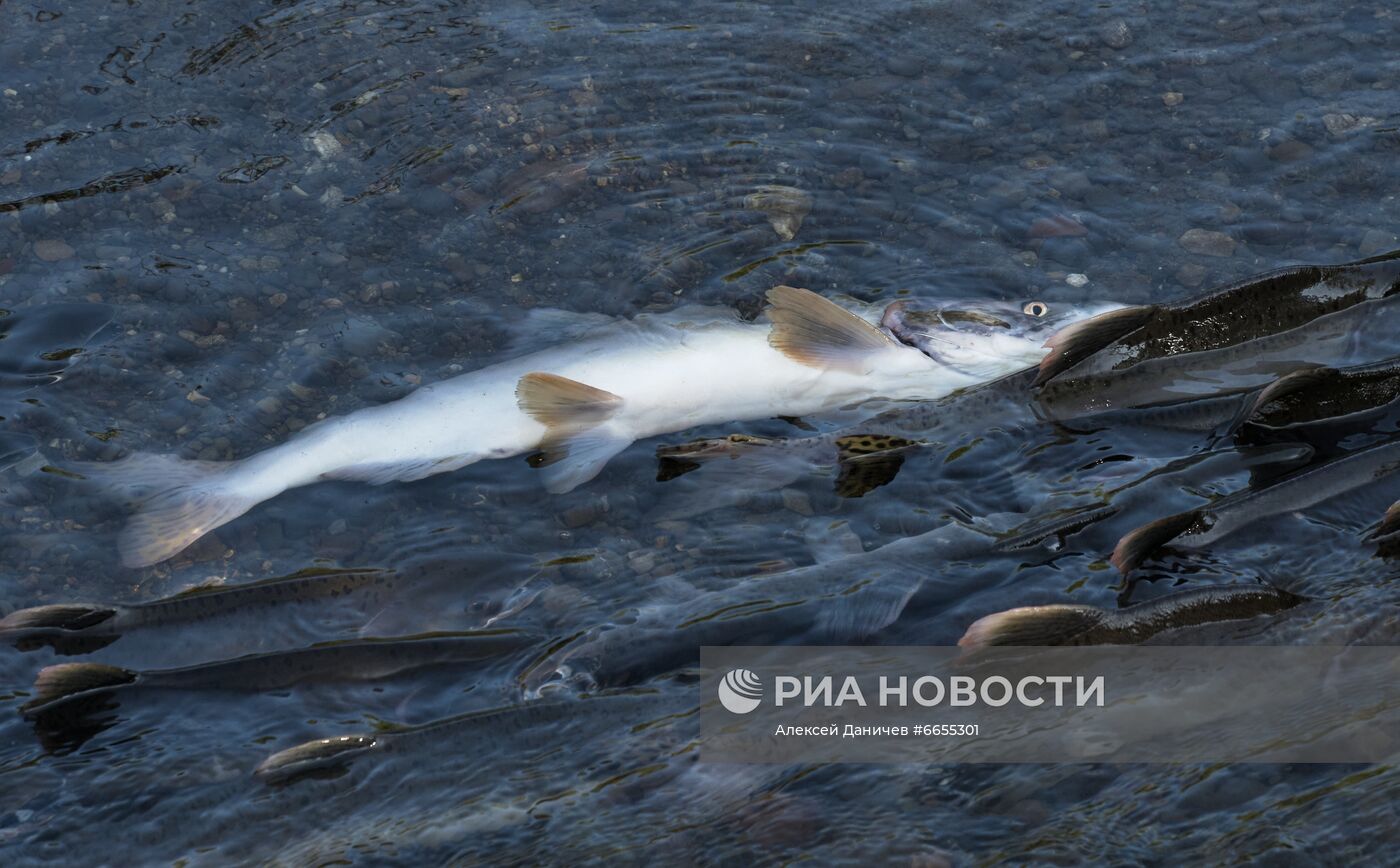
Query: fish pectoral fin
819	333
568	458
558	402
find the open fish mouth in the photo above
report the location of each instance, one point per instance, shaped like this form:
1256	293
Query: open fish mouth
965	335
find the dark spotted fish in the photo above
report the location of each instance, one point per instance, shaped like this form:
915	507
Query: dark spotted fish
1324	405
1242	336
1199	528
836	602
75	628
1067	624
511	728
356	660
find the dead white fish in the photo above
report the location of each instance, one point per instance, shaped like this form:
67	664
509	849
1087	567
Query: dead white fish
575	406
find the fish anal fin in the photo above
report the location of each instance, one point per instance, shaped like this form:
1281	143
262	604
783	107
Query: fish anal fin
556	401
813	331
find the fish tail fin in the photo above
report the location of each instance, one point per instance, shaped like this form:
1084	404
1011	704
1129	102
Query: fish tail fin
1056	624
65	680
60	616
1137	545
179	501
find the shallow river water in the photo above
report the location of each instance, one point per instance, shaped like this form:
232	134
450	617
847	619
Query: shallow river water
221	222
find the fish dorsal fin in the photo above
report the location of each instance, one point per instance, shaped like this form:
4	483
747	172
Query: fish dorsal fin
821	334
556	401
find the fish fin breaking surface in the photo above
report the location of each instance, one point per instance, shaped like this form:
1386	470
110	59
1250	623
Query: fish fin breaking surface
556	401
1138	545
868	461
64	680
62	616
1284	386
1389	524
568	459
319	755
1075	343
819	333
1056	624
860	476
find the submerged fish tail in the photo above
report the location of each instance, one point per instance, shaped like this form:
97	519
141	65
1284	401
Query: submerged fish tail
179	502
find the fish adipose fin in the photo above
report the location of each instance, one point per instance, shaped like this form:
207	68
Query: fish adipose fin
577	443
179	501
819	333
1074	343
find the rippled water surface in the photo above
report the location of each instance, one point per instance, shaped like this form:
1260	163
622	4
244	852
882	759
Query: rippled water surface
221	222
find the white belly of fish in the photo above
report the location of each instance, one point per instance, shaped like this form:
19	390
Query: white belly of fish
716	375
574	407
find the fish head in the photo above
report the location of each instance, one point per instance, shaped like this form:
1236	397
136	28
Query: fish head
983	339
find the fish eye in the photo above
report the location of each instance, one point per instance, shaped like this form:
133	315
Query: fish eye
1036	308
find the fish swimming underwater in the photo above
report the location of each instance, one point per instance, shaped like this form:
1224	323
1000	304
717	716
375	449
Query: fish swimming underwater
1241	336
573	407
